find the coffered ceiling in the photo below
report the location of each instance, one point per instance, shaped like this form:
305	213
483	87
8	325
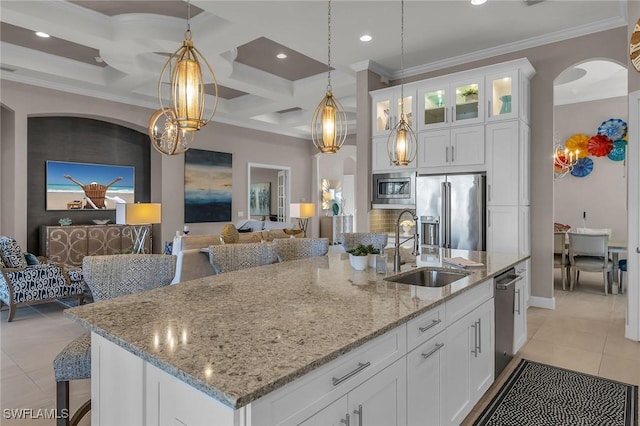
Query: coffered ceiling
116	49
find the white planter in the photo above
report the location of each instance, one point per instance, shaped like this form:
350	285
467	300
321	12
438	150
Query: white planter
372	260
359	263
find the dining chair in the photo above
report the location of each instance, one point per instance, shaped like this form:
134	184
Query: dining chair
590	253
351	240
300	248
107	276
560	257
233	257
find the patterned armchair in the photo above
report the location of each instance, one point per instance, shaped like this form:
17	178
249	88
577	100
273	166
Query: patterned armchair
22	283
300	248
351	240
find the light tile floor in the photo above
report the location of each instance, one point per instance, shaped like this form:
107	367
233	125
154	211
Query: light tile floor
584	333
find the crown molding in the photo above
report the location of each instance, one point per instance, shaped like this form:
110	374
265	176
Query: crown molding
372	66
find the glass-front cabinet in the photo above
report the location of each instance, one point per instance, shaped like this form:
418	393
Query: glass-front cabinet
503	97
387	108
446	104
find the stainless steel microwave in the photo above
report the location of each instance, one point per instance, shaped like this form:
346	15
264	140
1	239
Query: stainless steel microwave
391	189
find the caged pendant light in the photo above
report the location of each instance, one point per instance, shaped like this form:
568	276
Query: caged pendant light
185	115
402	145
329	123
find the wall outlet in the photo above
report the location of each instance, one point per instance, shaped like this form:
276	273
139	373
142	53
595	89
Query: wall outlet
240	214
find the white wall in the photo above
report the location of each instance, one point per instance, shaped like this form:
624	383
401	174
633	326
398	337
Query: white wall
603	193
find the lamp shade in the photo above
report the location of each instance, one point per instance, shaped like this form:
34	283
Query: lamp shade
138	213
302	210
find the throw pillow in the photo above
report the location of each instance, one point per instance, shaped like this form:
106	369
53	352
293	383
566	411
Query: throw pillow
230	234
31	259
11	254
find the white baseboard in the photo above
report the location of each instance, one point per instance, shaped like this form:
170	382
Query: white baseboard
542	302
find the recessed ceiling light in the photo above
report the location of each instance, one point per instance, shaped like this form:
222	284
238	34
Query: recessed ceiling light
41	34
281	56
366	37
478	2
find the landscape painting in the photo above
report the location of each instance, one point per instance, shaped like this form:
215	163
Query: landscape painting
207	186
76	186
260	199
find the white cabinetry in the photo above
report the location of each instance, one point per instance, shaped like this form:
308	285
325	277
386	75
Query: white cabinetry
425	377
507	95
469	364
520	306
508	186
458	146
445	102
387	108
380	161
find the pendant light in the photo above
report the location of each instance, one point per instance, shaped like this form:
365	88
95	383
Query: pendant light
401	145
329	122
187	109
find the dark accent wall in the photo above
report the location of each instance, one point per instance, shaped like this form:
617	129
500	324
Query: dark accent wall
80	140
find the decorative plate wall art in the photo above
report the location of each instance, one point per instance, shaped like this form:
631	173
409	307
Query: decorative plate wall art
583	167
634	46
613	128
599	145
578	142
619	150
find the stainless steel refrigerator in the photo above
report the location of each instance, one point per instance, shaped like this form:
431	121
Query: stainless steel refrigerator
452	209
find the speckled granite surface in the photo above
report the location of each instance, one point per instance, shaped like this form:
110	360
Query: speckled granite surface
240	335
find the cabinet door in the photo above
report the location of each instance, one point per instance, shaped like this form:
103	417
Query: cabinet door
502	164
524	230
467	107
425	374
483	358
335	414
433	107
456	395
382	112
380	158
520	308
467	146
433	148
525	165
502	229
381	400
502	95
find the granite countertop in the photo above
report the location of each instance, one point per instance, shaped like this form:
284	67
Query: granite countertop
240	335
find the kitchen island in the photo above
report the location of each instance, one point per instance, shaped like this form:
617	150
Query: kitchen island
247	347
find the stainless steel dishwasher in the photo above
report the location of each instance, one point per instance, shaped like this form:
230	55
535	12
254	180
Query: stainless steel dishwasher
504	309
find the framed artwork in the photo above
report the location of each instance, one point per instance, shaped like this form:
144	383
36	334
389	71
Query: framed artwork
260	199
78	186
207	186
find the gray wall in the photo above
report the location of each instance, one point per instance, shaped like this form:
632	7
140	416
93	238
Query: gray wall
79	140
167	173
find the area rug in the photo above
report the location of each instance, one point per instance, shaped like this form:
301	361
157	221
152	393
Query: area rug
541	395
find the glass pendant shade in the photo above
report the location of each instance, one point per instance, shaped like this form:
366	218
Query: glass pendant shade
329	125
165	135
402	145
187	86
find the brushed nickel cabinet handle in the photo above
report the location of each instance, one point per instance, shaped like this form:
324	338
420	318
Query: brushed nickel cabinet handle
358	413
361	366
433	351
345	421
433	324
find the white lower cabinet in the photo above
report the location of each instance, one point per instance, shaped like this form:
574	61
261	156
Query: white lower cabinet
502	229
469	365
425	377
520	306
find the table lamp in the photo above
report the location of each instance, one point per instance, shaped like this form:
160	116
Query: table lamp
302	211
138	215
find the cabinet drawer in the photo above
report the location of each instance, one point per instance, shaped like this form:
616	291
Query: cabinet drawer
332	380
461	305
428	324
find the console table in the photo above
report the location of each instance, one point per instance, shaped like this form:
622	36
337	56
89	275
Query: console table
333	227
69	244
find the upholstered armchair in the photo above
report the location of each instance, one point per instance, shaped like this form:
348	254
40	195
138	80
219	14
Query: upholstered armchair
36	281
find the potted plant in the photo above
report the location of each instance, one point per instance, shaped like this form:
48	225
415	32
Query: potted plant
470	94
372	253
359	258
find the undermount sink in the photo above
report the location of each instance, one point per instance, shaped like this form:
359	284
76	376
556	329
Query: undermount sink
429	277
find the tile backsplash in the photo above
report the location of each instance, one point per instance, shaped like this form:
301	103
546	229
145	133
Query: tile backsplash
383	220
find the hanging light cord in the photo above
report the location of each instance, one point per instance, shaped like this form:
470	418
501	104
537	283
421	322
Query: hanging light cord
329	49
402	59
188	33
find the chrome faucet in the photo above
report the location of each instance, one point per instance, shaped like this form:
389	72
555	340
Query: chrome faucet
416	241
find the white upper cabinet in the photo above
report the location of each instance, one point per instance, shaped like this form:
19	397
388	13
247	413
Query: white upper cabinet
458	146
387	108
508	94
444	103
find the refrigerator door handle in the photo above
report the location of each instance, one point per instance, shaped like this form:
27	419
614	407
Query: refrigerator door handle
443	222
447	219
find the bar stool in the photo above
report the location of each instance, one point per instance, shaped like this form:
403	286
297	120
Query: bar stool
622	265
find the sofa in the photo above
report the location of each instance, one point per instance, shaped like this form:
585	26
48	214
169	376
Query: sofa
193	262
